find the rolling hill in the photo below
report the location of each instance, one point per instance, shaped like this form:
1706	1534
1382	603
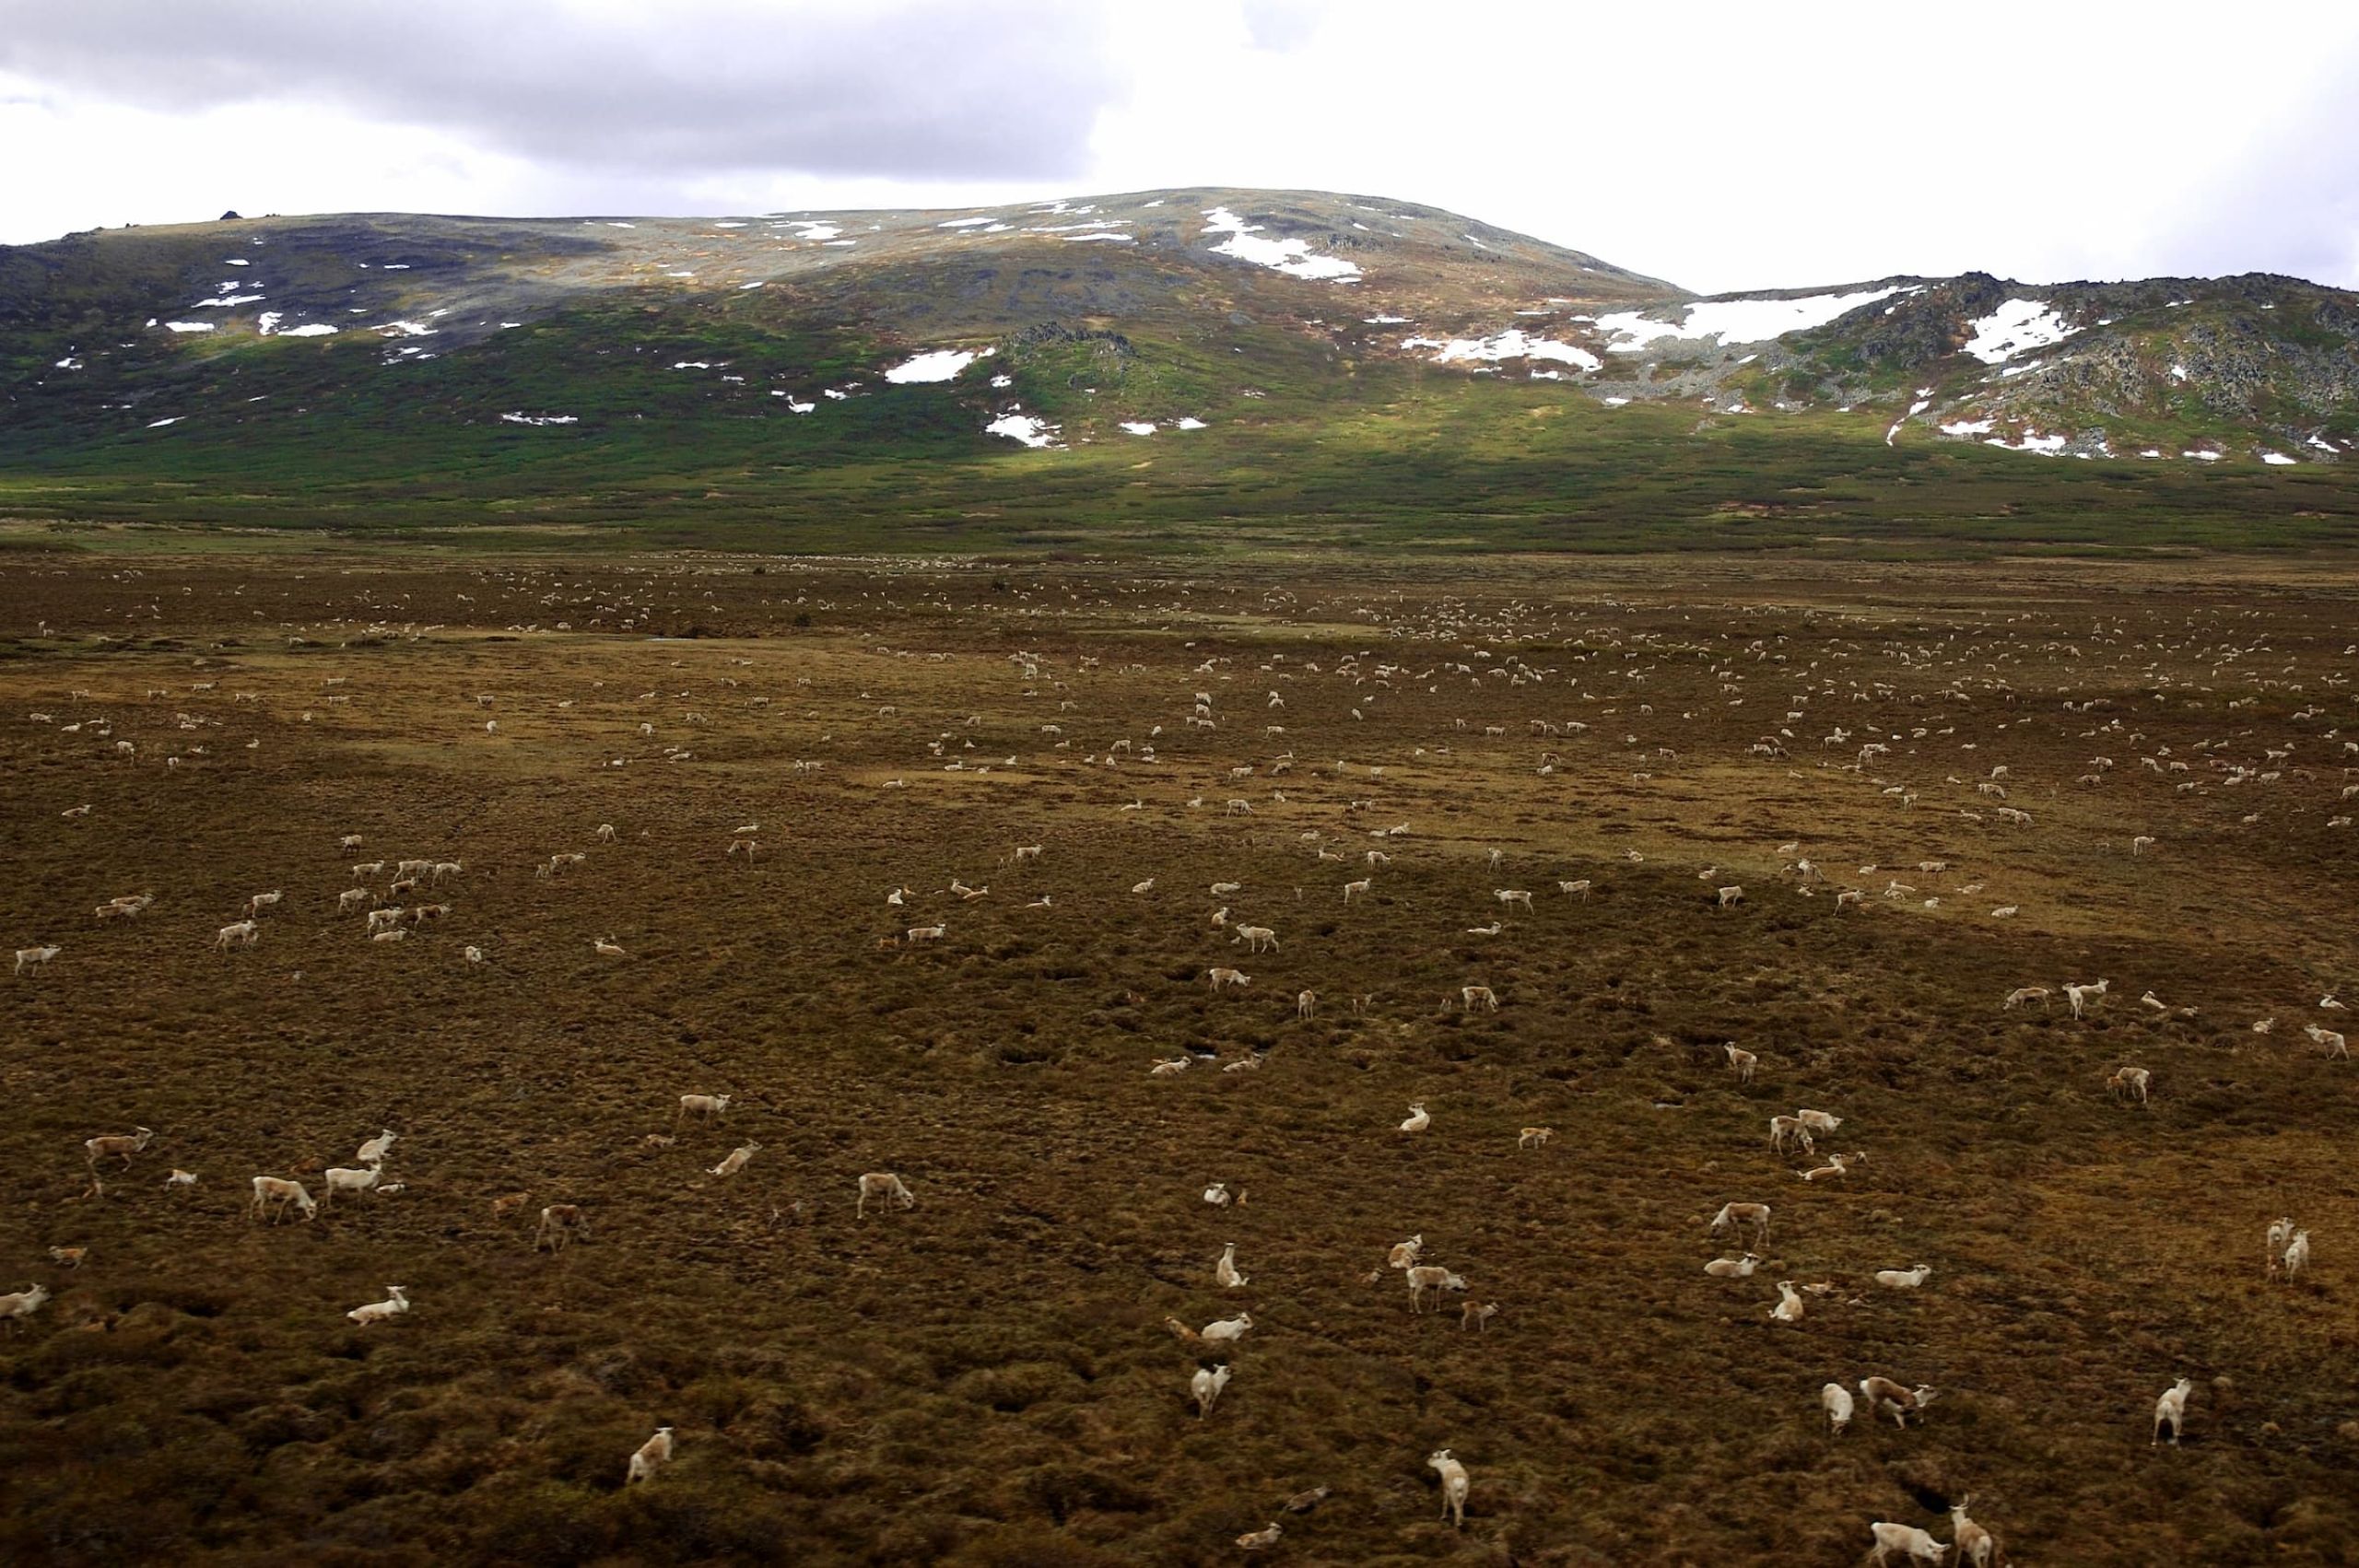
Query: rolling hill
1171	368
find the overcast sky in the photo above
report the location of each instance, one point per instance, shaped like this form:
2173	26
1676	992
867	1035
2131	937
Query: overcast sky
1722	146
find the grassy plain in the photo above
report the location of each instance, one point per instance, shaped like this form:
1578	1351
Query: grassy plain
985	1380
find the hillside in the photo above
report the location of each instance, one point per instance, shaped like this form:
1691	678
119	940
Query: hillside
1166	359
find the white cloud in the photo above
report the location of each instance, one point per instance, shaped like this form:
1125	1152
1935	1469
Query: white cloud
1988	152
881	87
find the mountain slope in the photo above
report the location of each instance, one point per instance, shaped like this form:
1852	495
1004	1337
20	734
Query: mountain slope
1172	356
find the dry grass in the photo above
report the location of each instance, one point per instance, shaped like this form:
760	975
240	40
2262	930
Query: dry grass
986	1379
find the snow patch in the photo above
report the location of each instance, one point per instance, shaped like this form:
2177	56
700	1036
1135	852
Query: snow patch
2046	446
1023	428
1513	344
1386	321
939	366
1189	424
71	363
2016	327
405	329
540	419
188	326
310	329
728	223
2277	460
964	223
1616	402
2201	456
1967	428
225	300
160	424
1002	381
1292	257
1737	320
1139	426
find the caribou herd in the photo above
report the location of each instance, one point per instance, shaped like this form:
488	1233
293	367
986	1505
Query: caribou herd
1888	743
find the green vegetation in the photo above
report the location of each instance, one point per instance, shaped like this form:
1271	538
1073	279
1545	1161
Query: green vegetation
281	434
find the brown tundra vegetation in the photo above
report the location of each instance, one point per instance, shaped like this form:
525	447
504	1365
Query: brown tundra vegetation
2150	769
